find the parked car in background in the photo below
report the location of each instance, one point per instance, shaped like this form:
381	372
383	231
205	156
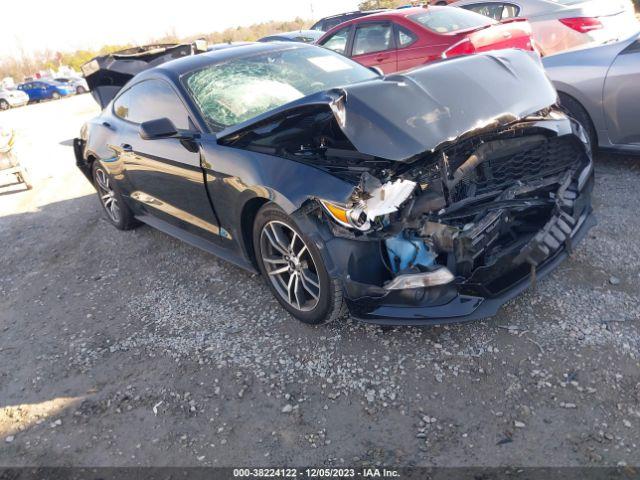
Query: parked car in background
303	36
12	98
106	74
426	197
560	25
398	40
327	23
600	87
39	90
10	164
78	83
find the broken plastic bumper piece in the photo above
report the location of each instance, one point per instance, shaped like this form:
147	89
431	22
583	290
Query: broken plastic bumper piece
441	276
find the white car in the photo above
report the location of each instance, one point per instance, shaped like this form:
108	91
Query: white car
80	84
560	25
12	98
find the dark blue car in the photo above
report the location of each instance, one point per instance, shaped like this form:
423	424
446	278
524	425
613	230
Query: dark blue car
39	90
400	199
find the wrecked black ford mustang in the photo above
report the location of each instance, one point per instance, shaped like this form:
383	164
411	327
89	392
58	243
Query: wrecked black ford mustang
428	197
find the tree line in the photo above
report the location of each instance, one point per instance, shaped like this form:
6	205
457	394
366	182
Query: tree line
23	65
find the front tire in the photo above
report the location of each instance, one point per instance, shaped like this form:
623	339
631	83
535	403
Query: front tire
55	96
4	105
293	268
80	90
118	212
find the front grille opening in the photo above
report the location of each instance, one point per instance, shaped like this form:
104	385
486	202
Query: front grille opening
554	156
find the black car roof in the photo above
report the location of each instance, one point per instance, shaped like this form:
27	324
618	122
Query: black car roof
355	12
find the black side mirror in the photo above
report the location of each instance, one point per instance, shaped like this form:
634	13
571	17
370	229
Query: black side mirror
155	129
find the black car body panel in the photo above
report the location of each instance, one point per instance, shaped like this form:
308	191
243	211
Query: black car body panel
400	116
477	174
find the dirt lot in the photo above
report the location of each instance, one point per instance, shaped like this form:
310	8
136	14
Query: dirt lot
135	349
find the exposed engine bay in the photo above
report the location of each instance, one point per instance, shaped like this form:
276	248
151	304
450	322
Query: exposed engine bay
496	200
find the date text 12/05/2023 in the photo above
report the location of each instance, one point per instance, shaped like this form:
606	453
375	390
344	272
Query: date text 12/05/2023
315	473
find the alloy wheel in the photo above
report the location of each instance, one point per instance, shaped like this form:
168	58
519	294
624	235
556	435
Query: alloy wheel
107	195
290	266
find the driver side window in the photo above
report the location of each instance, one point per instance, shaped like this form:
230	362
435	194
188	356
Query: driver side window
373	38
151	100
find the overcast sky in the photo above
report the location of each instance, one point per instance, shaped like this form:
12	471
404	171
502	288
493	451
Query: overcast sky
71	25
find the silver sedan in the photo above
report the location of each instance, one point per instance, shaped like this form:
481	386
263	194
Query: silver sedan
560	25
600	87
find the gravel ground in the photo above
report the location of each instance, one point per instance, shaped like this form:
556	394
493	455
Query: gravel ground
131	348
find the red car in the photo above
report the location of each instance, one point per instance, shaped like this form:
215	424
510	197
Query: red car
398	40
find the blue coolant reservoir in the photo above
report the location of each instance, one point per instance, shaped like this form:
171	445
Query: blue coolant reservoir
406	252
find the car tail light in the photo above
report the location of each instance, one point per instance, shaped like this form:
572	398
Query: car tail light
464	47
582	24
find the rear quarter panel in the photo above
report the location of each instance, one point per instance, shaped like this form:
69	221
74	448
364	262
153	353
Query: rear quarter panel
554	37
427	48
617	18
509	35
100	137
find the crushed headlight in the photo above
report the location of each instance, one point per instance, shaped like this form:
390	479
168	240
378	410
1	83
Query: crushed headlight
369	204
347	217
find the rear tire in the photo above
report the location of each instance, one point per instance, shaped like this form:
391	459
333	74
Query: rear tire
118	212
304	288
578	112
4	105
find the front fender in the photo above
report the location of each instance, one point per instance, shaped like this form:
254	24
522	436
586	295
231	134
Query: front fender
235	176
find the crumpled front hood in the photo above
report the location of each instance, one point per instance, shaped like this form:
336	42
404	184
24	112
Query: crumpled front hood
401	116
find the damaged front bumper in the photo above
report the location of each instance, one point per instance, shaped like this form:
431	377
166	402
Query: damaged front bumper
524	234
464	301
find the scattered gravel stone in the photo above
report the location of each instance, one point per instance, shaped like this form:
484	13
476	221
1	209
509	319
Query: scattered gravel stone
370	396
166	318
